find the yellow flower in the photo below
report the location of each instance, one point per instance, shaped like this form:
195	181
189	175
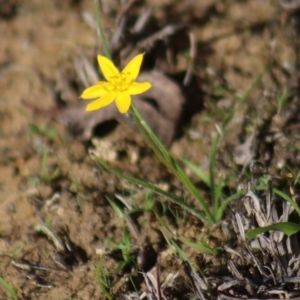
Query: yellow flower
119	85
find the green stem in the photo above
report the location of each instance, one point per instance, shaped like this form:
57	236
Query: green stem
163	155
98	9
212	162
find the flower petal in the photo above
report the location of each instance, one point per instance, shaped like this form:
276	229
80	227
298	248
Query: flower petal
95	91
138	88
132	70
107	67
123	101
101	102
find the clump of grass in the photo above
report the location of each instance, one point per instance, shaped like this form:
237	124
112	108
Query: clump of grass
259	255
125	245
44	135
103	278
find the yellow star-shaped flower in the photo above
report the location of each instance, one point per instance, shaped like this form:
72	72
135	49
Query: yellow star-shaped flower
119	85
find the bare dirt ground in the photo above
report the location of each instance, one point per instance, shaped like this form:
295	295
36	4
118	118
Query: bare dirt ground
211	52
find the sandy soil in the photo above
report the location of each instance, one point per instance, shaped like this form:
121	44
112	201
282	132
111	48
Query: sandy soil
47	176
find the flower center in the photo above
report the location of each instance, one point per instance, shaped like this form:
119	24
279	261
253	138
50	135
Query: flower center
120	83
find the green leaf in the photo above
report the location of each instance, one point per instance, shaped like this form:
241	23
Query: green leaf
117	210
103	278
52	134
10	290
281	100
164	156
287	228
191	209
225	203
201	246
179	251
255	83
34	129
197	171
288	199
280	194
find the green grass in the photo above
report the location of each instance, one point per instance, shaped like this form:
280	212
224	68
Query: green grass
10	290
46	135
125	245
103	278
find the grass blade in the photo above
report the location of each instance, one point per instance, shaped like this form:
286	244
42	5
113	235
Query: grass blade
197	171
162	153
191	209
287	228
10	290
